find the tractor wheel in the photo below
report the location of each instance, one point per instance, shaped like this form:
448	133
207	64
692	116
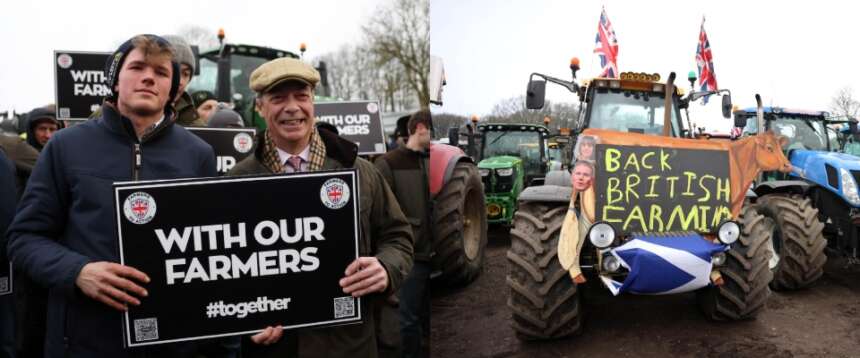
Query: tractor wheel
745	273
797	245
460	227
543	298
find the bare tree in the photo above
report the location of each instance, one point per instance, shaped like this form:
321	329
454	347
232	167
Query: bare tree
513	110
340	72
356	74
843	103
204	38
443	121
401	33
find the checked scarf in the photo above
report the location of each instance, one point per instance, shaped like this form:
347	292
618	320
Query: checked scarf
272	161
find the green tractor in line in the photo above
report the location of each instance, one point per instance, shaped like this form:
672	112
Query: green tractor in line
513	157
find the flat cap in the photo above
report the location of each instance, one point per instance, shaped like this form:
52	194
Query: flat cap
282	69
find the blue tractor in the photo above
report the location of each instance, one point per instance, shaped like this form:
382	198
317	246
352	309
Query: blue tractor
818	198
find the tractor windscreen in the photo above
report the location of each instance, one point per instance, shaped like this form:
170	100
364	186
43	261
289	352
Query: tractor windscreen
629	111
206	80
522	144
240	77
802	133
241	67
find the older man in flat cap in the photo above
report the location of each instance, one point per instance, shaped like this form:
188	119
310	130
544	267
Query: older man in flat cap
292	143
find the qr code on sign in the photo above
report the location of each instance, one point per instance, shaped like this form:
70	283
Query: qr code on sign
145	329
65	112
344	307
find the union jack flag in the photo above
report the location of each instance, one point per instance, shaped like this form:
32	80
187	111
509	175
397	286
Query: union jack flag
737	132
705	63
606	47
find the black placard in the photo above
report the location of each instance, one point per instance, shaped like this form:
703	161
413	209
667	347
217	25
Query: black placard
79	83
296	281
5	273
655	189
231	145
359	122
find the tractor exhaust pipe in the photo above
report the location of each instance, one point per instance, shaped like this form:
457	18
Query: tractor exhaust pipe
759	113
667	105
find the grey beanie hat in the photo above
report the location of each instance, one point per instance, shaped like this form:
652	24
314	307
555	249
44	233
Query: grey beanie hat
225	118
183	51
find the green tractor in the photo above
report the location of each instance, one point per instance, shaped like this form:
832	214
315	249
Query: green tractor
226	72
512	157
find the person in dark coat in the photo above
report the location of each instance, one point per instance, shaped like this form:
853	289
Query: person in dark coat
64	235
406	169
7	301
205	103
42	123
30	298
22	155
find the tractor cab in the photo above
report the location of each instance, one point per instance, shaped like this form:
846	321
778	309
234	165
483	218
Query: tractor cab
635	103
806	130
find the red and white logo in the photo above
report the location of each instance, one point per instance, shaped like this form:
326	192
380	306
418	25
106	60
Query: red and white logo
334	193
243	142
139	208
64	61
372	107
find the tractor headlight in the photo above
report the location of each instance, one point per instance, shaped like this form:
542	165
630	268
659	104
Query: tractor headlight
719	259
611	264
849	187
601	235
484	172
728	232
505	172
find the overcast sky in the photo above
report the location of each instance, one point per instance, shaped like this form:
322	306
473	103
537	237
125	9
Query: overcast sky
32	30
795	54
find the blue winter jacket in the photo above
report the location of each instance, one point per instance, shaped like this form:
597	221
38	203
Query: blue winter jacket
66	219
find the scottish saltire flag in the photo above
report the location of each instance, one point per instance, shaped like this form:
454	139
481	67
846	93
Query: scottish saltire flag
606	47
705	63
664	264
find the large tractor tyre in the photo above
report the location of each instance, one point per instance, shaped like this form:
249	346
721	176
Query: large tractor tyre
745	273
543	298
797	244
460	227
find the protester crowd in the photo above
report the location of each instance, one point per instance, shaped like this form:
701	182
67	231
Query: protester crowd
56	205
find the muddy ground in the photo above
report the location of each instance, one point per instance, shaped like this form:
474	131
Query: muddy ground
823	321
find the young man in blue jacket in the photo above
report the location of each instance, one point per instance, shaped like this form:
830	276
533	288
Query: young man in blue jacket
64	234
